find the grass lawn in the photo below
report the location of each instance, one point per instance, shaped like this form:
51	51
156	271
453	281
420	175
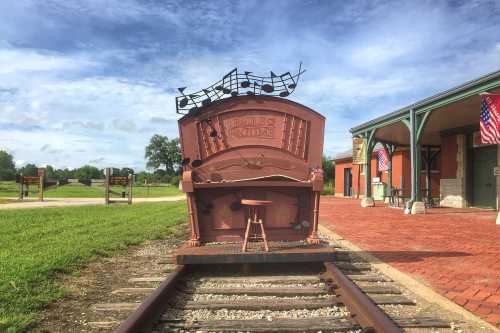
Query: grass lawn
10	189
37	244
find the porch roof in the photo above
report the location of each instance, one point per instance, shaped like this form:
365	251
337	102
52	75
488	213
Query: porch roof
463	101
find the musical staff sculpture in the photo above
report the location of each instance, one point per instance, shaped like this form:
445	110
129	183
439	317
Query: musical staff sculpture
234	84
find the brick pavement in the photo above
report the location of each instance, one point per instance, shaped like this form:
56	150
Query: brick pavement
454	251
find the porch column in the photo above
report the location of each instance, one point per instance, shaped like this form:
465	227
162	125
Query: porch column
417	123
368	201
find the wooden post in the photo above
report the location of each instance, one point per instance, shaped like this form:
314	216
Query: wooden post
21	187
41	174
318	183
193	218
130	182
107	173
313	237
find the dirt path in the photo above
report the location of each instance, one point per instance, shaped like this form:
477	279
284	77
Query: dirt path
63	202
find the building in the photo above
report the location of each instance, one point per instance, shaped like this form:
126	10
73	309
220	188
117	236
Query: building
348	174
435	147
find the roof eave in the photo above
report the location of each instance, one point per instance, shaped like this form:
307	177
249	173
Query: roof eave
430	100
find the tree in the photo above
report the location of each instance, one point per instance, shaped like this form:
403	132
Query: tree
143	177
126	171
29	170
163	152
328	169
88	172
50	173
7	166
64	174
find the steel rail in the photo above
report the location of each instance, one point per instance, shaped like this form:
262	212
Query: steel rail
363	309
142	319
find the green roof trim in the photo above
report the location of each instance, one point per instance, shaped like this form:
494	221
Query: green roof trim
474	87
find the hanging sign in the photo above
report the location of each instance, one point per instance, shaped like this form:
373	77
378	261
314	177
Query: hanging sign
358	151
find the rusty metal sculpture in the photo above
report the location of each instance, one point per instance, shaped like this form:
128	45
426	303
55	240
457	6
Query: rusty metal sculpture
253	147
236	84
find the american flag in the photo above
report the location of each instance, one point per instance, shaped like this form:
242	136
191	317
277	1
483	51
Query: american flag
489	121
383	160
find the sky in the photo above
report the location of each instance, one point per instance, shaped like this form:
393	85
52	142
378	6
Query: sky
89	82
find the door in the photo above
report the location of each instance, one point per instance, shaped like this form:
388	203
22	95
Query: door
347	182
484	187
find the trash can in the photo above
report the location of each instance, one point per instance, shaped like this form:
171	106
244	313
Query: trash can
378	190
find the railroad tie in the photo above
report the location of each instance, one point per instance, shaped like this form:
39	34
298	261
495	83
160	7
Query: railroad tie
326	324
283	292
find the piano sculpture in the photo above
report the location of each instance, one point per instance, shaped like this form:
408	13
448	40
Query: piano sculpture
251	146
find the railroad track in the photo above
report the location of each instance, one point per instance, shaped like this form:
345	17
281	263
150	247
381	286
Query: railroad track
345	296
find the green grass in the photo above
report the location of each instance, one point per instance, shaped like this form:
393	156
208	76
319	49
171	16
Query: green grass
37	244
328	189
10	189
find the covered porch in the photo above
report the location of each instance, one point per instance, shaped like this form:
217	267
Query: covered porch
446	126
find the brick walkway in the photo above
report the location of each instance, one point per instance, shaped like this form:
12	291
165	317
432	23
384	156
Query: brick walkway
454	251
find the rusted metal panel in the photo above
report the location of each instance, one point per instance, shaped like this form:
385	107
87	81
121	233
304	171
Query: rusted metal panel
252	147
230	253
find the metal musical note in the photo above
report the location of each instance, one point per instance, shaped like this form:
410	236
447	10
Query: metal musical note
228	77
246	84
185	100
269	88
207	100
291	85
284	93
229	87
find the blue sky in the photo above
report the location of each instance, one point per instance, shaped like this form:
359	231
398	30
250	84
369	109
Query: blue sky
91	81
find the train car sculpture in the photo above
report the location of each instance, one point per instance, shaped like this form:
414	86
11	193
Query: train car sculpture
251	157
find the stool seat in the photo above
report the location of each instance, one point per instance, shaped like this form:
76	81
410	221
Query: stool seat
255	225
251	202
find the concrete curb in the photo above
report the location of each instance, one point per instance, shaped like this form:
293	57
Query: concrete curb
418	288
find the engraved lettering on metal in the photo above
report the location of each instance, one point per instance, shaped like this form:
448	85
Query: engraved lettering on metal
257	127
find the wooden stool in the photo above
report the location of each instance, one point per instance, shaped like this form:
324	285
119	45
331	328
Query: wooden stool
255	226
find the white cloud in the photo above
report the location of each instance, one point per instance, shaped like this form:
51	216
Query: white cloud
99	78
26	60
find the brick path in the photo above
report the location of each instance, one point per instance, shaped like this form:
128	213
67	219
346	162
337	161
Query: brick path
454	251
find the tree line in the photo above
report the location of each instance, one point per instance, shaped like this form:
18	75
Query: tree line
163	159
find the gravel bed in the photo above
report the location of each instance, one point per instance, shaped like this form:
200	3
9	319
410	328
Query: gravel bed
225	314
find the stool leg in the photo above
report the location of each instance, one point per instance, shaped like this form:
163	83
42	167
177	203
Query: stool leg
264	236
247	232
